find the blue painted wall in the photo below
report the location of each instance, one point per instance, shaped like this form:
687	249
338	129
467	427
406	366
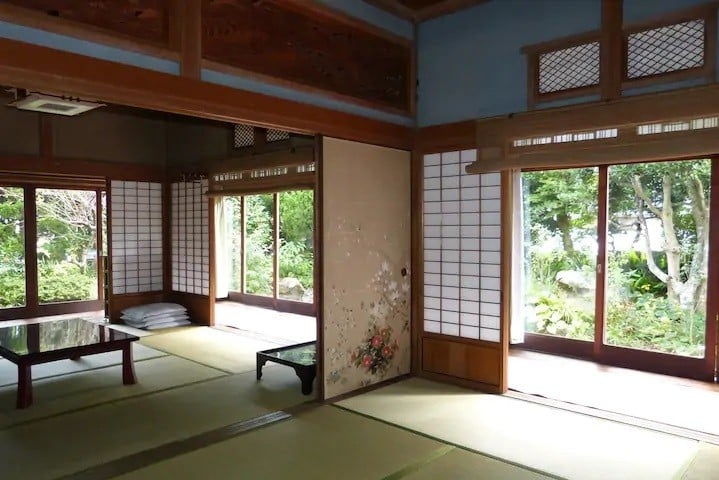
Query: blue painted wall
470	64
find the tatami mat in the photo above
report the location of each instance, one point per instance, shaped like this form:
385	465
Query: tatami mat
547	439
215	348
324	443
72	442
705	465
58	394
8	370
460	465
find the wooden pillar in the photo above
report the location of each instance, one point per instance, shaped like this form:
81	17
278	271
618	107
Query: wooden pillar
185	35
611	55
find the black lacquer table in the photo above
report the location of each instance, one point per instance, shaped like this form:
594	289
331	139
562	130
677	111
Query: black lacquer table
34	343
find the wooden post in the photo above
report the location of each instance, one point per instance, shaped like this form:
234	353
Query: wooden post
611	47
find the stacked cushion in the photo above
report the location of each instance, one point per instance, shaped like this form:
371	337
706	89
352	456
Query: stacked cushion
155	316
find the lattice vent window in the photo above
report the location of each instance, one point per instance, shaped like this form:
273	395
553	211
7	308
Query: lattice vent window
681	126
569	68
277	135
244	135
602	134
667	49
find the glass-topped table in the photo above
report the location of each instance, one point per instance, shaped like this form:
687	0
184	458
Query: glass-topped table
302	357
34	343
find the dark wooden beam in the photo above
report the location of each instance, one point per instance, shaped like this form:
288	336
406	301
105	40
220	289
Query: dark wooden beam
395	8
445	8
611	63
191	39
432	10
54	71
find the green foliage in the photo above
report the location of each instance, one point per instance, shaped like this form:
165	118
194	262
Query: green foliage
560	209
556	314
66	234
296	261
64	282
258	244
648	322
12	289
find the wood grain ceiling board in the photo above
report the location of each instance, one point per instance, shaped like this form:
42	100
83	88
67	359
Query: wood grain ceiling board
140	19
303	47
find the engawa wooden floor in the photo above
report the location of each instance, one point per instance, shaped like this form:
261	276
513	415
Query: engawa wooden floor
672	401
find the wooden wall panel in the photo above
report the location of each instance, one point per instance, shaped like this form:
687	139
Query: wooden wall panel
453	358
319	51
199	307
142	19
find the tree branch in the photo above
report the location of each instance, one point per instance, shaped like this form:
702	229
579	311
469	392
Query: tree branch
651	263
639	191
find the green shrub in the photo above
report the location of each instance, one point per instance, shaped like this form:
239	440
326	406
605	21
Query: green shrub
64	282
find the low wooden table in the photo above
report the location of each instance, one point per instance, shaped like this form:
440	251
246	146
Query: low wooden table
34	343
302	357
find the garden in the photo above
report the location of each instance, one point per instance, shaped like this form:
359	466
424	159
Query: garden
66	246
657	254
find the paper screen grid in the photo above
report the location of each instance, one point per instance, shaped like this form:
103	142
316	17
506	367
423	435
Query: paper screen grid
461	248
190	238
136	229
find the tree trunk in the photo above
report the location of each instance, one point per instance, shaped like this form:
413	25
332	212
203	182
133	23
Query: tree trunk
565	228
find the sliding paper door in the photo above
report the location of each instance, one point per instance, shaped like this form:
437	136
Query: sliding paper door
366	261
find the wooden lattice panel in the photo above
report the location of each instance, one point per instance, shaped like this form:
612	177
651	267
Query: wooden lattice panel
294	44
666	49
274	135
142	19
244	136
569	68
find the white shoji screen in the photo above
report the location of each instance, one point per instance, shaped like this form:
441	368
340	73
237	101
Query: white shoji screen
461	248
190	238
136	231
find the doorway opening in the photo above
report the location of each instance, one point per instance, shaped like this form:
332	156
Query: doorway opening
266	257
615	263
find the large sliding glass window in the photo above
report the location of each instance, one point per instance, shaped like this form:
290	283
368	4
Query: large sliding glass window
259	244
296	250
657	256
51	243
560	251
270	246
12	247
67	256
615	263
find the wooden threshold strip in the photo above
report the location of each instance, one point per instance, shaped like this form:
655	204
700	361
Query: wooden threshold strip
169	450
616	417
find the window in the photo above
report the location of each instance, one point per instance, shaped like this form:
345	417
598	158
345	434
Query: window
269	244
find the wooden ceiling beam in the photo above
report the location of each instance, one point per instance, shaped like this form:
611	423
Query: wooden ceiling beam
53	71
445	8
434	10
